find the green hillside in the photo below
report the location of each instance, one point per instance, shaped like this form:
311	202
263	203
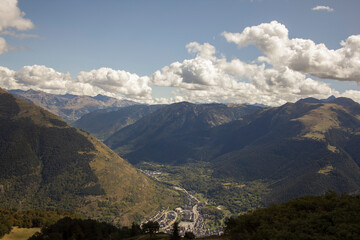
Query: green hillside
310	217
45	163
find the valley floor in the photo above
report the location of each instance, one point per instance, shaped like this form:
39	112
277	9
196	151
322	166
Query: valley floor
199	215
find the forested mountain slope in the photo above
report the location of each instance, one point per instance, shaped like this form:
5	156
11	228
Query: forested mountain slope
45	163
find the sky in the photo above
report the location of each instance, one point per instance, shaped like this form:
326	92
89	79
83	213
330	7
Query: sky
231	51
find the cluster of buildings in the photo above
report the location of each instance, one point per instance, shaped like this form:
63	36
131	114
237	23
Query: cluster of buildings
191	219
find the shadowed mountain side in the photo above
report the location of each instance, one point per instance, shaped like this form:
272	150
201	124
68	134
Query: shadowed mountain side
45	163
175	132
104	123
70	107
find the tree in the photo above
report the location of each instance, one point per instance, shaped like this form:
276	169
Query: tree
151	227
135	229
189	235
175	234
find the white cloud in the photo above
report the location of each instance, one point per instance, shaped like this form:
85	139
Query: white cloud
302	55
117	81
207	78
3	46
7	78
19	35
323	8
281	75
353	94
11	17
101	81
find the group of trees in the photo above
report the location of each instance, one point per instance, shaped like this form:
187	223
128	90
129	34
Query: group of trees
153	227
62	225
67	228
330	216
30	218
80	229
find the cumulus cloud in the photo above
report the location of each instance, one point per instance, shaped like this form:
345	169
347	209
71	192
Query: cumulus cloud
11	17
353	94
117	81
323	8
207	78
101	81
302	55
282	74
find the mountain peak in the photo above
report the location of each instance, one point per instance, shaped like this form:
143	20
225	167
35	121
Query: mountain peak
329	99
102	98
68	106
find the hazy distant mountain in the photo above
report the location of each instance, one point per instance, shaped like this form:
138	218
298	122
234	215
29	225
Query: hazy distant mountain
70	107
104	123
300	148
45	163
173	133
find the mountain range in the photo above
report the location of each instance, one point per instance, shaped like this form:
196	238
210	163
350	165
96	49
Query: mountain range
47	164
299	148
70	107
105	122
174	133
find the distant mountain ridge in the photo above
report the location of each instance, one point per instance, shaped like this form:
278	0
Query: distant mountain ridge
103	123
45	163
299	148
70	107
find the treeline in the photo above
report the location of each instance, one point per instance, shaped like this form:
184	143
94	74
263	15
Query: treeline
327	217
30	219
88	229
80	229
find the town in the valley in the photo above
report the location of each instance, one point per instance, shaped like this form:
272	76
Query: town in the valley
189	215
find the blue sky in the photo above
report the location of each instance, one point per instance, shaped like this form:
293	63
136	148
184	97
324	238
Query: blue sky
134	39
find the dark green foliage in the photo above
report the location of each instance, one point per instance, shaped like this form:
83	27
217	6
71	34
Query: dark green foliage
312	217
175	232
214	214
30	218
236	196
5	225
27	149
41	165
67	228
135	229
189	235
150	227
